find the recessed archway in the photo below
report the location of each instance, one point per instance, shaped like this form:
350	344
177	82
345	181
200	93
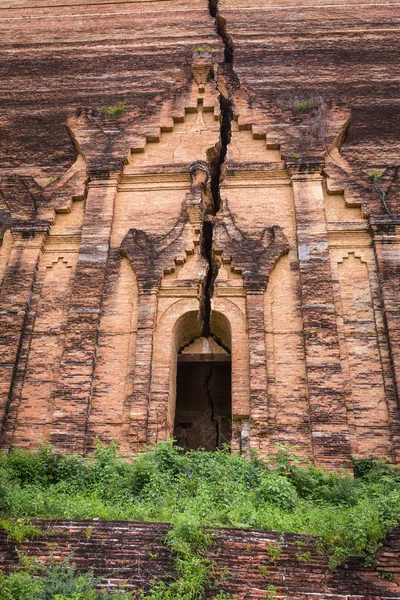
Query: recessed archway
177	328
203	410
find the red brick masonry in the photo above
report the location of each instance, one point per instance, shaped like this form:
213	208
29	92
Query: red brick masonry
133	553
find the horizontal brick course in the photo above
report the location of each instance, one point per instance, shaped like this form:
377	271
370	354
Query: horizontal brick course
133	553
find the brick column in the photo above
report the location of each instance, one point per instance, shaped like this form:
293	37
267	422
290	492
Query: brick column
326	390
15	299
74	390
257	370
139	404
386	243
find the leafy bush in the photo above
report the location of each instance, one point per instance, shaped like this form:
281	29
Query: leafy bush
188	541
57	581
19	529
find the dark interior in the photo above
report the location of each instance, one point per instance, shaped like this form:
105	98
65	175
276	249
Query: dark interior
203	416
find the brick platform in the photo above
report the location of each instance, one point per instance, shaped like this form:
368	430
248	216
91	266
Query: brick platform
133	553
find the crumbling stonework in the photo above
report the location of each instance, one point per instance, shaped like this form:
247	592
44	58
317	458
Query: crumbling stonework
132	554
245	192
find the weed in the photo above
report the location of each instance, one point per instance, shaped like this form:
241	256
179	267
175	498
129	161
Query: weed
300	544
88	532
57	580
264	571
274	551
375	174
303	556
387	575
223	575
188	540
271	592
19	530
320	547
203	49
114	111
304	106
204	490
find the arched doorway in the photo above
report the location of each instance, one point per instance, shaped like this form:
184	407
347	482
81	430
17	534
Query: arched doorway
203	411
177	329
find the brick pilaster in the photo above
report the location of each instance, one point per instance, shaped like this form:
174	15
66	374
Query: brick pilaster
74	390
386	243
15	299
326	390
139	404
257	369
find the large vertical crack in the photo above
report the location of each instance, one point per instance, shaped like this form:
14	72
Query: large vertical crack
216	159
213	419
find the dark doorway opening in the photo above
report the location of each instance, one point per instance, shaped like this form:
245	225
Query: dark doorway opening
203	414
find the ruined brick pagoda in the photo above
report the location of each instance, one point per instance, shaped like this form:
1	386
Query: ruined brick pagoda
200	223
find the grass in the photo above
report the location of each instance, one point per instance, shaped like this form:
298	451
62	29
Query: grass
203	49
114	111
198	491
304	106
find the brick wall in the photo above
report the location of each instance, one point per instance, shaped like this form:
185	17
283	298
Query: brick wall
133	553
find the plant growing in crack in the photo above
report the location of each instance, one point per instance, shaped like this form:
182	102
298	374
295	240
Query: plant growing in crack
114	111
312	107
274	551
303	556
387	575
304	106
188	541
20	529
205	48
264	572
375	176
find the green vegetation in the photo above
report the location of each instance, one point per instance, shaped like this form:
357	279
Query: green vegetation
189	541
274	551
19	529
387	575
264	571
304	106
303	556
196	492
57	581
375	175
203	49
114	111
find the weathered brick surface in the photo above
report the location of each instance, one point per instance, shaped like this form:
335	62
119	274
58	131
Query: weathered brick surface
132	553
213	205
61	56
343	50
231	198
